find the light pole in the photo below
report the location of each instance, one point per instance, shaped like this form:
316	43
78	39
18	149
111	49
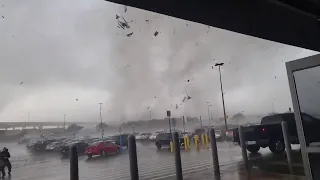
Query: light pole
150	115
222	95
101	120
64	122
209	105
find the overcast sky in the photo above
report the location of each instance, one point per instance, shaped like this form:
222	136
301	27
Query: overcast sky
64	57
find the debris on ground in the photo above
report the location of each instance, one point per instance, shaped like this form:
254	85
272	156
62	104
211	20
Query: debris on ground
156	33
130	34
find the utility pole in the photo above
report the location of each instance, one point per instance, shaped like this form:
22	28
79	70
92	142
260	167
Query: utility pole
150	115
101	120
209	105
64	123
222	95
184	124
200	122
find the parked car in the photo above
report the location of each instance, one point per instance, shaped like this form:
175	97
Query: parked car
102	148
64	150
153	136
39	145
124	139
269	132
164	139
143	136
54	146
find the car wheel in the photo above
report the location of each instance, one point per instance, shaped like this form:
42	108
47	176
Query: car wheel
253	149
158	146
277	146
102	153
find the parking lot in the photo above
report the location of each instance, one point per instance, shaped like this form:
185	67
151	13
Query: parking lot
153	163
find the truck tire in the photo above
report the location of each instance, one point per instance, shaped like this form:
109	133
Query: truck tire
253	148
277	146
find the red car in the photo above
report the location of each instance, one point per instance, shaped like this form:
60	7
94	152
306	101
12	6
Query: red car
102	148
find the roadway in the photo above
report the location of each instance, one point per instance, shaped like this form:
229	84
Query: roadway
153	164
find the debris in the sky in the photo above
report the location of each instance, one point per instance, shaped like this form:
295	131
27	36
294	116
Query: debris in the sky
2	16
124	24
156	33
147	20
174	30
184	99
188	80
76	99
117	17
127	66
212	67
187	24
189	97
275	77
148	107
125	9
177	106
130	34
155	97
21	82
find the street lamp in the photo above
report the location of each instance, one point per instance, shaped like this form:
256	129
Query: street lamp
64	122
209	105
101	120
222	95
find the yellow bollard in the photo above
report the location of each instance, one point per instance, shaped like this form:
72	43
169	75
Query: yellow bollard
171	146
188	142
185	143
196	141
203	141
207	140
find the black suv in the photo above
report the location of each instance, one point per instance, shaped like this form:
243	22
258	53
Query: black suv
163	140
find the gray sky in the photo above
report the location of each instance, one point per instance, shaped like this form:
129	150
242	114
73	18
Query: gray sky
68	50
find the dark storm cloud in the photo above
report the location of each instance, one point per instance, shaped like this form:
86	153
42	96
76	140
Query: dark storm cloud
76	45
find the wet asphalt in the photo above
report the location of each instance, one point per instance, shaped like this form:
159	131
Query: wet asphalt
153	164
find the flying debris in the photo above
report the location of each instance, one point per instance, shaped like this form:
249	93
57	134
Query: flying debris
117	17
21	83
184	99
127	66
130	34
156	33
76	99
177	106
124	24
189	97
2	16
155	97
275	77
147	20
212	67
125	9
188	80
